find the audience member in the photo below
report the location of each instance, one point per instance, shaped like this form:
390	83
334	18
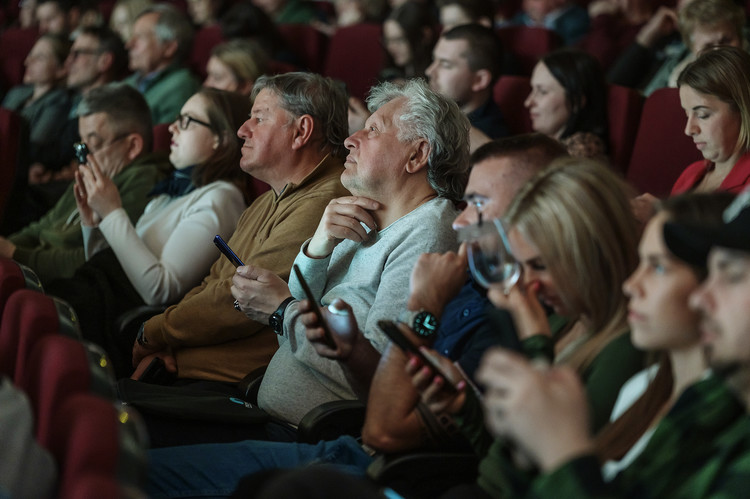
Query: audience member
715	93
124	14
27	14
293	141
571	231
614	25
245	20
703	24
169	250
566	18
392	423
206	12
408	37
351	12
115	125
644	447
161	40
466	63
235	65
568	101
454	13
57	17
42	100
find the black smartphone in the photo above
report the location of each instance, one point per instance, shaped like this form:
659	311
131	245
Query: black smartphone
316	307
156	373
81	151
224	248
392	331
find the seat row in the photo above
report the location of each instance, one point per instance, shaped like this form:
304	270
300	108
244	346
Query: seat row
98	444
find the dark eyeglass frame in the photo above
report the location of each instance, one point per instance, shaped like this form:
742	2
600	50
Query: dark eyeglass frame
183	121
75	53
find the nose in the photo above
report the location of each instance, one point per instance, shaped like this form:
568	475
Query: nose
430	69
701	299
630	286
352	140
173	128
529	100
690	127
244	131
467	217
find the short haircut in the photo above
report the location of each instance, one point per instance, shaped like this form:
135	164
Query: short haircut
430	116
485	50
710	13
126	108
476	10
320	97
582	77
109	41
723	72
172	25
532	149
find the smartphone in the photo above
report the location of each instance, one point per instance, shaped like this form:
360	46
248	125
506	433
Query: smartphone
224	248
392	331
316	307
81	151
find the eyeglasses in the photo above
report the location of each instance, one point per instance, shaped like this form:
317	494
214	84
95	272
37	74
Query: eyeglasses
184	121
478	201
106	144
78	52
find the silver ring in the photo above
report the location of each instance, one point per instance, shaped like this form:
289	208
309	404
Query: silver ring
237	306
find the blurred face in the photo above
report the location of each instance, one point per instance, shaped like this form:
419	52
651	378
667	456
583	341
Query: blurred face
396	43
220	76
546	103
538	9
42	68
491	187
120	23
84	63
51	19
452	16
145	51
375	153
704	37
723	300
712	124
270	7
196	143
658	312
110	150
201	11
268	135
26	13
535	271
449	74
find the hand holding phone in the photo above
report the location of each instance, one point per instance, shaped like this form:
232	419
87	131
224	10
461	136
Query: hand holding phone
329	341
224	248
393	332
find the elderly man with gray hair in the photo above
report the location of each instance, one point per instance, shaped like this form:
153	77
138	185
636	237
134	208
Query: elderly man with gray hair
162	38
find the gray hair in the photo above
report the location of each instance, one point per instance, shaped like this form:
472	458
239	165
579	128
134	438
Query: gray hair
124	106
428	115
322	98
172	25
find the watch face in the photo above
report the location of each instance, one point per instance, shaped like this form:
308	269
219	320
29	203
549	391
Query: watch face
426	324
275	322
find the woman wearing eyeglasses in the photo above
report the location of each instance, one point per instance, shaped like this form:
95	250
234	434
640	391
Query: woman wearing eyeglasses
170	248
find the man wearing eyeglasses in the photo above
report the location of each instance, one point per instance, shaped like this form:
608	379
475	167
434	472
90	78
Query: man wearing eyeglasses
114	123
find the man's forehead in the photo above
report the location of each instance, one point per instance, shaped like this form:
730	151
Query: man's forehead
451	49
96	124
719	258
84	41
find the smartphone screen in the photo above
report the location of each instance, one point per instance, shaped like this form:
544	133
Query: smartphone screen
394	333
224	248
316	307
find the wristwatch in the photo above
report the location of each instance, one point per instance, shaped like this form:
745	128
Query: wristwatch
140	338
422	322
276	321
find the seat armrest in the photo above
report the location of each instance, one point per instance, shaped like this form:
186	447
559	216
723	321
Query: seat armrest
331	420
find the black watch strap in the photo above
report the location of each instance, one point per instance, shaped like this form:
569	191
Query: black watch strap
276	321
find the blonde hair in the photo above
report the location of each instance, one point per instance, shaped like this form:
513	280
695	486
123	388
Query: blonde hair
244	58
577	213
710	13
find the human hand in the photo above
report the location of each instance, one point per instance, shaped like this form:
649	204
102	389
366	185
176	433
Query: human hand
436	279
341	220
141	352
102	194
7	248
38	174
543	411
89	217
662	23
341	323
644	207
358	115
258	292
431	385
522	303
170	363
